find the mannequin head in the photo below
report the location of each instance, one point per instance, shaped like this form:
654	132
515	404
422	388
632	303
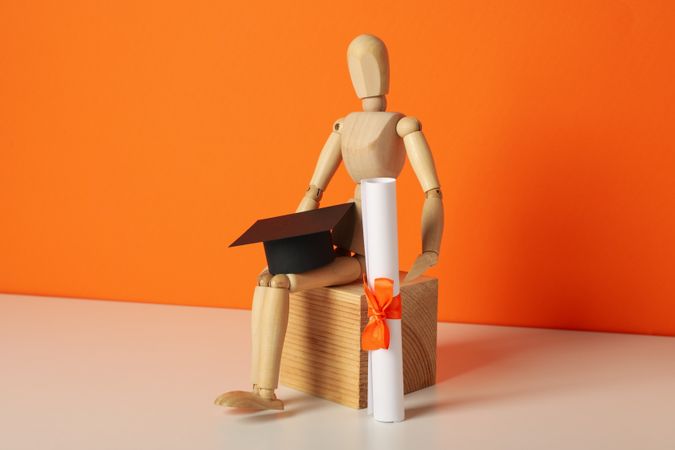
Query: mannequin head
369	70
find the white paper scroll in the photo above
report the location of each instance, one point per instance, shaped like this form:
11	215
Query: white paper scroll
380	236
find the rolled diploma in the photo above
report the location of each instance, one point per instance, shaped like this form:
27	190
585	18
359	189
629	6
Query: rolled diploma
380	238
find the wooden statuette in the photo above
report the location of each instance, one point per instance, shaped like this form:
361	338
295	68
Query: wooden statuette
372	143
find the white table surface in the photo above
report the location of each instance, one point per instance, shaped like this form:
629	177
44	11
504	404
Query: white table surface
78	374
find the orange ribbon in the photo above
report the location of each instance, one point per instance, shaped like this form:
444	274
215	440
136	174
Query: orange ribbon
381	305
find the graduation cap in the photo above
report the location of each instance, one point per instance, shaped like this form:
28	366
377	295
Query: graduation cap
296	243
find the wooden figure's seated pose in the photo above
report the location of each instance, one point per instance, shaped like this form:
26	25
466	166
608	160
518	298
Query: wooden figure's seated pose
372	143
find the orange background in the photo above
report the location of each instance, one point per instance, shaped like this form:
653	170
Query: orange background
138	139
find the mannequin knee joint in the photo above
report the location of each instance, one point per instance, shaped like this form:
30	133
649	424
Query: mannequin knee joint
280	281
264	279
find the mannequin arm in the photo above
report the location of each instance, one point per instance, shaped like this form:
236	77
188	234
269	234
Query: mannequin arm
422	163
329	161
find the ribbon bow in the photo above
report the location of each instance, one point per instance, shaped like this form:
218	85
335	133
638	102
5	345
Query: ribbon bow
382	304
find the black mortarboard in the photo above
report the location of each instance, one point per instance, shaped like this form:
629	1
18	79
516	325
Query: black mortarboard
299	242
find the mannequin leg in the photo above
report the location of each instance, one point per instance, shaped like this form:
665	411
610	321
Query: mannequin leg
268	329
268	326
272	332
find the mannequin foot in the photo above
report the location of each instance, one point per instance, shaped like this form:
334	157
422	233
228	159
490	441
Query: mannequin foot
229	397
247	399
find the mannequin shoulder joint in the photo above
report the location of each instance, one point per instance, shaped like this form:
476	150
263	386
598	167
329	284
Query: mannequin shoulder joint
408	125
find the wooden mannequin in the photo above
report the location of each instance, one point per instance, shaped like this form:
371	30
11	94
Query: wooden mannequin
372	143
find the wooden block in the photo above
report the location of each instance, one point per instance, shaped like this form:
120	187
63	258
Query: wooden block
322	352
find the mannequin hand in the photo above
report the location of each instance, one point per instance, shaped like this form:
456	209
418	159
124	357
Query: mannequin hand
307	204
421	264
